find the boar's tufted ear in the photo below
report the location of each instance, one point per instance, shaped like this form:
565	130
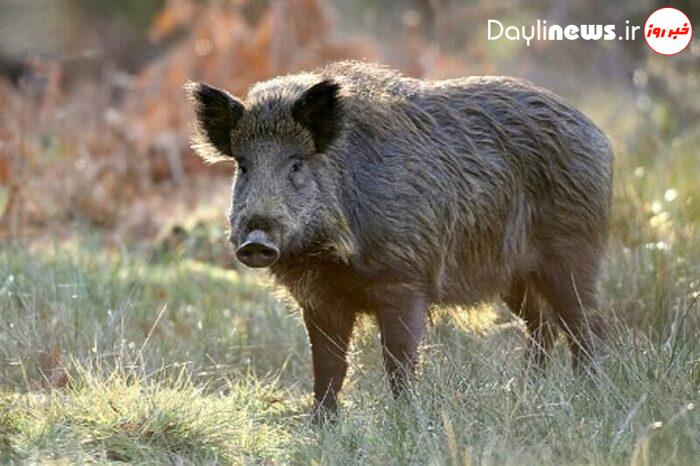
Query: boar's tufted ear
320	111
216	114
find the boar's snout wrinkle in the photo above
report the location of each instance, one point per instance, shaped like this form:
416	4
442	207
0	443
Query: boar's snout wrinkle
391	195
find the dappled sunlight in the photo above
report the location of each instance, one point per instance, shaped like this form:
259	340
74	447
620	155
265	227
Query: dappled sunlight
126	418
481	319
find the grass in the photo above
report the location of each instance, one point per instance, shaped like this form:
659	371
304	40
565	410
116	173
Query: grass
96	367
111	354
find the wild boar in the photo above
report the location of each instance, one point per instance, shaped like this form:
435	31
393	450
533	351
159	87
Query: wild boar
365	191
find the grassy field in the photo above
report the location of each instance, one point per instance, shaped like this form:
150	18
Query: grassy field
125	353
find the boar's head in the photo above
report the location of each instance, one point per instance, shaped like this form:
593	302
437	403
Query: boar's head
285	201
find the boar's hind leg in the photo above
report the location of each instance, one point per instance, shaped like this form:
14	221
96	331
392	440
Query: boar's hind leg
522	300
401	325
571	290
329	335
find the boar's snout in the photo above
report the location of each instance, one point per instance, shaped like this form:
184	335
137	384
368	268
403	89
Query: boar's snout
257	250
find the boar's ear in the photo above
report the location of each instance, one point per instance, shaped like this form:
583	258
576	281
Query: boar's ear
320	111
216	114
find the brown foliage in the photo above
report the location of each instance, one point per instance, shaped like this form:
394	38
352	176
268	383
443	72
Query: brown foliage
116	160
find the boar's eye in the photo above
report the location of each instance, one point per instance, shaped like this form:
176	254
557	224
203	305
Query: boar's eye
296	166
242	169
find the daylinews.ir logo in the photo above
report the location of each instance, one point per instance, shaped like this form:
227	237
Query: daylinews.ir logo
667	31
541	30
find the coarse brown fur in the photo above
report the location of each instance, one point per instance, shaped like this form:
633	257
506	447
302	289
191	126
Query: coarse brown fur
387	195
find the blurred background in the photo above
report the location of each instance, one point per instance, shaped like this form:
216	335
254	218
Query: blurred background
94	125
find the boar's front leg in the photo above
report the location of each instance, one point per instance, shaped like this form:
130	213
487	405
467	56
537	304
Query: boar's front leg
329	335
401	324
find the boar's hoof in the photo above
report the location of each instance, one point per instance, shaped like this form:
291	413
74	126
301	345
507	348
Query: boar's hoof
322	415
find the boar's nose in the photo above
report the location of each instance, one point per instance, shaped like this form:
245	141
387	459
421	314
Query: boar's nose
257	250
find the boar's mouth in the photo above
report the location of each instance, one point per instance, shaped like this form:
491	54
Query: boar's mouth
257	250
